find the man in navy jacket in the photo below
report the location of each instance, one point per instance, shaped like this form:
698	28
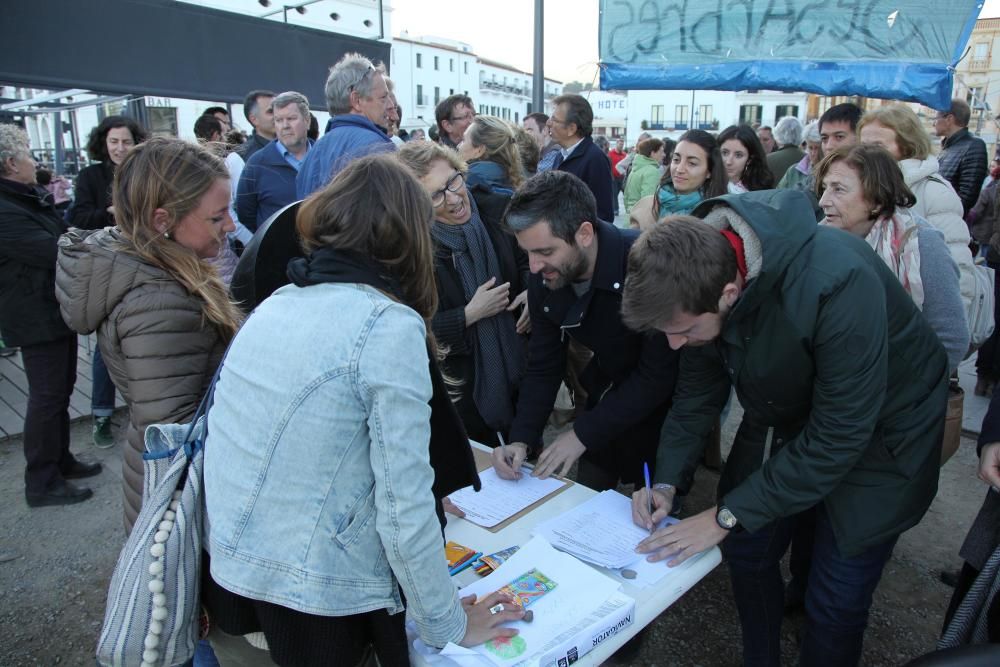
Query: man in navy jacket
267	183
570	126
578	267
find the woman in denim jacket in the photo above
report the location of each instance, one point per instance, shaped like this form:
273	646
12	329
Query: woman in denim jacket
319	462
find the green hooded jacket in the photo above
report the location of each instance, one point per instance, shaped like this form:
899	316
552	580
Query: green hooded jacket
843	384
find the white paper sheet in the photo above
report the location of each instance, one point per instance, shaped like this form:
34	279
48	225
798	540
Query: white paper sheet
601	531
580	591
501	499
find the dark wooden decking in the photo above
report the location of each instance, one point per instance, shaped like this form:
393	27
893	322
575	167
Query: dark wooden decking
14	389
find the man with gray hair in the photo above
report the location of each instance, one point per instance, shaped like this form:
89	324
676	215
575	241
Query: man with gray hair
267	183
788	136
358	100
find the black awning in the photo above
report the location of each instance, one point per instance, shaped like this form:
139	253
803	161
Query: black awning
167	49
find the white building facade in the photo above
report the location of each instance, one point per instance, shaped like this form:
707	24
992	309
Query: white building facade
670	113
426	70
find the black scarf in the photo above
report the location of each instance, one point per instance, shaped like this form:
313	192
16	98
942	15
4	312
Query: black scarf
450	452
500	353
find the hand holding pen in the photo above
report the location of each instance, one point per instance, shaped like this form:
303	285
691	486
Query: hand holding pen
508	459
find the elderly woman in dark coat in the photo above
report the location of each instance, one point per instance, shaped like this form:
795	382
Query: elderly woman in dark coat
29	317
482	281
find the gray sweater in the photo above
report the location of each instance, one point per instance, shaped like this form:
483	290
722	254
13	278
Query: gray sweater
942	307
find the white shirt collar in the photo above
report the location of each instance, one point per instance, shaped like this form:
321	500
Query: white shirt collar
566	152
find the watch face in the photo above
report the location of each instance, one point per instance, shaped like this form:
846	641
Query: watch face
726	519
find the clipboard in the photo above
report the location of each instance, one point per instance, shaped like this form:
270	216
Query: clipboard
484	461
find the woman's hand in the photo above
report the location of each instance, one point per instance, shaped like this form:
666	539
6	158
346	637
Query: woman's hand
487	301
989	464
524	319
451	508
483	624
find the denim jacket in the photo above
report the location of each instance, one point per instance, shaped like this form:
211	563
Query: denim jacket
317	479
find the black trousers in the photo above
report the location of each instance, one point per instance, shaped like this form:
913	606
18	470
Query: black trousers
51	372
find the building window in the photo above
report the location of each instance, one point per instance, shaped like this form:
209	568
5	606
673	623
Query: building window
975	97
435	62
451	91
516	121
420	61
466	93
783	110
751	113
437	95
420	95
162	121
466	67
705	116
451	64
982	51
681	117
656	117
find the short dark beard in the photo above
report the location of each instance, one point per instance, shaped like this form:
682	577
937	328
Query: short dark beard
571	272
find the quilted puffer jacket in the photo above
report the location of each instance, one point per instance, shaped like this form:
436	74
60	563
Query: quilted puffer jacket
160	352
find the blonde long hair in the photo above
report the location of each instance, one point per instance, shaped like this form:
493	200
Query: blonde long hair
173	175
497	137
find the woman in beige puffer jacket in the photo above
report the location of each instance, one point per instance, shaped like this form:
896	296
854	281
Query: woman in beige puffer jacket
162	315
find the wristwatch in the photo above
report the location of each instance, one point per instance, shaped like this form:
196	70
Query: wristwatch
725	518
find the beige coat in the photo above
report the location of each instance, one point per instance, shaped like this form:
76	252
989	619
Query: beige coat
939	205
159	350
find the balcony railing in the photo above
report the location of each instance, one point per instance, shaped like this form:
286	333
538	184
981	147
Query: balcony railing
979	65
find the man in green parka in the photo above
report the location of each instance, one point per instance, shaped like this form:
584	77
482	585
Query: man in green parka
844	388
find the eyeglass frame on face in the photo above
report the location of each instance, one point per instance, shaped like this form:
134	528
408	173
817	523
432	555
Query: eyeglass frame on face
469	116
451	185
942	116
350	88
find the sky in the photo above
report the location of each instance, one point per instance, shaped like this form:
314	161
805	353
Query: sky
503	30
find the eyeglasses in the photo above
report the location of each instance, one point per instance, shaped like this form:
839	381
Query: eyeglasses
468	116
454	184
941	117
357	83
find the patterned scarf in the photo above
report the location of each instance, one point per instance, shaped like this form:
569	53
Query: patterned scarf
499	350
672	203
895	239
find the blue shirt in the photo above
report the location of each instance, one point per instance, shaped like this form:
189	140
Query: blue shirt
291	159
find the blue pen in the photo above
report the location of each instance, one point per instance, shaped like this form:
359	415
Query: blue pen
649	494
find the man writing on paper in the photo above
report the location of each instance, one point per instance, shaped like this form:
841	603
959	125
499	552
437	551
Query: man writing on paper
843	386
577	273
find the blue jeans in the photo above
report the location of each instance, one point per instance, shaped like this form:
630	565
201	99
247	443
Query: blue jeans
102	394
204	655
838	593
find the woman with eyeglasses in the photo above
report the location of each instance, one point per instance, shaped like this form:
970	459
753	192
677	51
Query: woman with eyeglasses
482	279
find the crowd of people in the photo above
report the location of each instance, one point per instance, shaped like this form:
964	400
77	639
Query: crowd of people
823	275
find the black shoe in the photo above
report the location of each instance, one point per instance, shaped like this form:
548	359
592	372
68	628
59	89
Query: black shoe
9	351
79	470
949	577
65	493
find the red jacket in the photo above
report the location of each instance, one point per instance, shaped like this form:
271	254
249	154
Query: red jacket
616	156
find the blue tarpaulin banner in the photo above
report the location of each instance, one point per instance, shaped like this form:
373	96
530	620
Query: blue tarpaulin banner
893	49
